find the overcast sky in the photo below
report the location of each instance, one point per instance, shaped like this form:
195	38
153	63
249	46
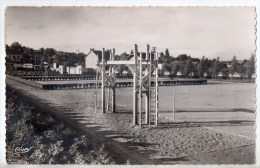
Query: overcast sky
196	31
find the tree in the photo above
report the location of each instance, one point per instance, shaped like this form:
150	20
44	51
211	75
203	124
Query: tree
161	57
7	47
188	68
16	46
167	54
182	57
175	68
42	63
215	68
250	67
166	60
49	52
242	68
232	69
224	72
201	67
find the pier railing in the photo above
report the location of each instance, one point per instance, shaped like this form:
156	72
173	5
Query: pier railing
92	84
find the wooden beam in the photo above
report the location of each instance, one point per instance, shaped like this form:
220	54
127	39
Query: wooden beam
113	89
96	90
149	86
103	82
140	90
110	81
156	90
147	111
134	88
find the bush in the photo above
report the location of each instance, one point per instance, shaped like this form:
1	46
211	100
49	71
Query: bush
45	139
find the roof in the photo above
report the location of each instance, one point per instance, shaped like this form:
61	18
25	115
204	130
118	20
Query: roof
99	54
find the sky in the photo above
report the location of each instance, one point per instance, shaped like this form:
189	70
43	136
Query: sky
196	31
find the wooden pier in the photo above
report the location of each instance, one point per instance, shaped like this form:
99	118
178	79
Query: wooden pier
119	84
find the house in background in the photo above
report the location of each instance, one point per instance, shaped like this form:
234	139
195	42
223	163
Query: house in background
59	68
13	59
235	75
179	74
78	69
93	57
74	69
166	73
14	55
206	75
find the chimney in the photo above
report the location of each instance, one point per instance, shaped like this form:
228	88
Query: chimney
92	49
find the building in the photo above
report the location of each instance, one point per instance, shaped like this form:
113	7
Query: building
27	65
179	74
74	69
206	75
78	69
61	69
93	57
13	59
14	55
166	73
45	65
235	75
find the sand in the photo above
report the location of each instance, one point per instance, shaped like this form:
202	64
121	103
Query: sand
172	138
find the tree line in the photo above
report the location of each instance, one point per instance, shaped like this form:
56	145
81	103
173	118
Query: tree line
49	55
185	64
200	68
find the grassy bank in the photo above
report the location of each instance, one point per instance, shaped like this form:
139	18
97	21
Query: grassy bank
34	137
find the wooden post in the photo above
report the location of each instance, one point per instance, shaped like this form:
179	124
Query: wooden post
156	89
103	82
147	94
108	97
113	89
96	90
140	90
110	84
150	91
135	87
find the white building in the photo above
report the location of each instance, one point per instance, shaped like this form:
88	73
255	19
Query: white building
235	75
28	65
221	75
179	73
78	69
166	73
74	69
93	57
61	69
206	75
